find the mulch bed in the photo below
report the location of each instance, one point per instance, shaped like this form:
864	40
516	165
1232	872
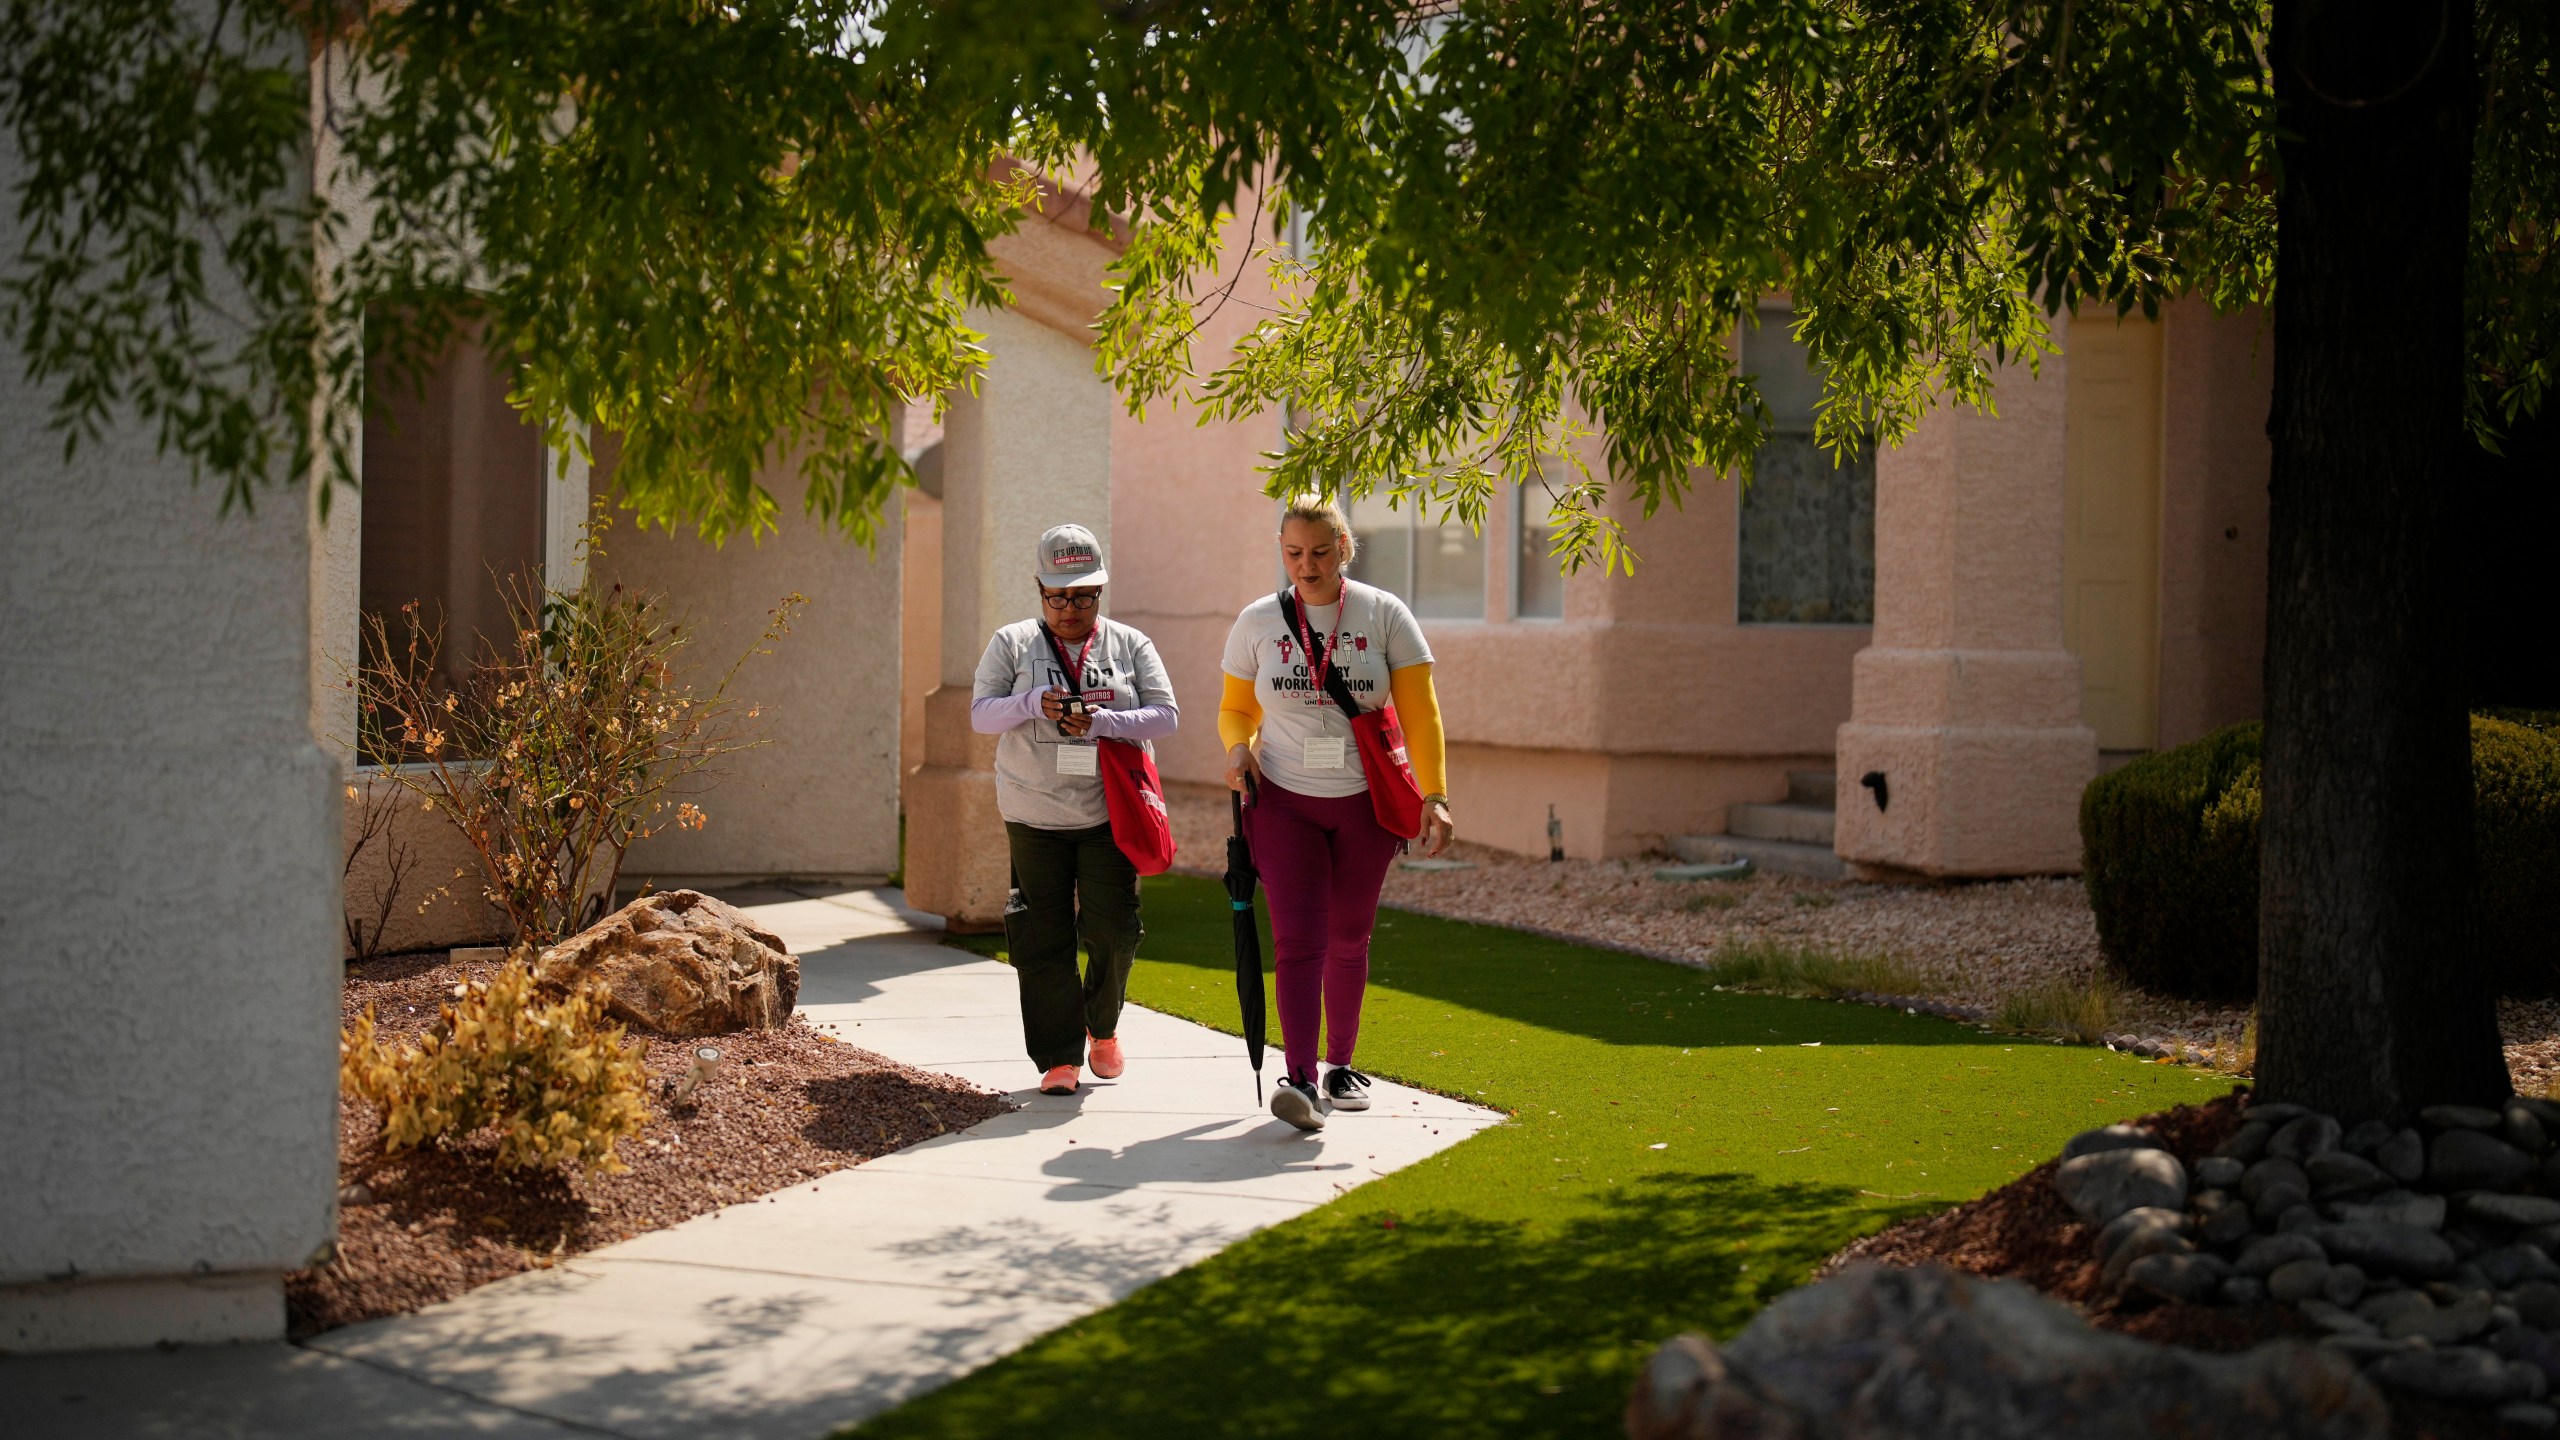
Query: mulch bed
788	1105
2023	1231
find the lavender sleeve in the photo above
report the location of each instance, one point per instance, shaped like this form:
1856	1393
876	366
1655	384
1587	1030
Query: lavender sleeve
995	714
1146	722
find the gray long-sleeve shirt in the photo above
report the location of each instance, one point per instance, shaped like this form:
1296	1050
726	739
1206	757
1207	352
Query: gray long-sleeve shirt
1123	679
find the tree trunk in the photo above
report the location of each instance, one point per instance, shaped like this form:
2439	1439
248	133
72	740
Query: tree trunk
2372	1000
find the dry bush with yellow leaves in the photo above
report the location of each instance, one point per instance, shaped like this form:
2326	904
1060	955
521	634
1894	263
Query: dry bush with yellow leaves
555	1080
554	758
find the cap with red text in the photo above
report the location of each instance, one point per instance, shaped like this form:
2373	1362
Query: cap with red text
1069	556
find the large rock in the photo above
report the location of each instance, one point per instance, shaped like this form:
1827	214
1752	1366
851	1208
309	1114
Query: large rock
2470	1160
680	963
1889	1352
2382	1249
2104	1185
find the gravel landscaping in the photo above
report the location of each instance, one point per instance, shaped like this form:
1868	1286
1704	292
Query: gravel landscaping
786	1106
1976	946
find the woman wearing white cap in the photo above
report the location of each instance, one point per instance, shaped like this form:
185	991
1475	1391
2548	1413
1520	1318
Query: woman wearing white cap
1050	689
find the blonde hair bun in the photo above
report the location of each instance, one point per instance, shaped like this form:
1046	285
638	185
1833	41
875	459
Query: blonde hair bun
1317	509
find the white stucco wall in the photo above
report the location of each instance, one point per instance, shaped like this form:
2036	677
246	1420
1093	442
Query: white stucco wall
818	797
169	932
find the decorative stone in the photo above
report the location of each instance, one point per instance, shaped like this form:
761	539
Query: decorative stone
2465	1375
2112	1137
2274	1186
2268	1253
2538	1302
2345	1285
2403	1157
2403	1250
2518	1210
1884	1351
2304	1137
2246	1143
2523	1129
2335	1320
2398	1207
2275	1113
2442	1324
2298	1280
2339	1172
2139	1246
2366	1137
2221	1219
2509	1266
2469	1160
2540	1108
2176	1276
680	963
2243	1290
2219	1172
2459	1117
2389	1307
2102	1186
2527	1415
2125	1226
2297	1216
2363	1348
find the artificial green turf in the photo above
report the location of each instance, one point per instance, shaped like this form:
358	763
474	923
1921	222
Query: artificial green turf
1511	1285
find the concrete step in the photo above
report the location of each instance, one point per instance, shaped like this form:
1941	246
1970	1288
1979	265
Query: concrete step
1781	856
1787	820
1813	787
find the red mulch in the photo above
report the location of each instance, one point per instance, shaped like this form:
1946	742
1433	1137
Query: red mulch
2023	1231
788	1106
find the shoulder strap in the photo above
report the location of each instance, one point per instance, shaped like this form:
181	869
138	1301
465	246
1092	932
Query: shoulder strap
1334	683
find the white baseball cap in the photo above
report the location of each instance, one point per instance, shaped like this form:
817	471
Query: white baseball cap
1069	556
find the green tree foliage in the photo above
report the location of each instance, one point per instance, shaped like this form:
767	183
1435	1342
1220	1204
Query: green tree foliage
732	232
709	229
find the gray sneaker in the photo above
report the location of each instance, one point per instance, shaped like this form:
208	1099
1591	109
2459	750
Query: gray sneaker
1347	1088
1295	1102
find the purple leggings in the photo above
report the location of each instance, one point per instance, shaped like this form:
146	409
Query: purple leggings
1322	862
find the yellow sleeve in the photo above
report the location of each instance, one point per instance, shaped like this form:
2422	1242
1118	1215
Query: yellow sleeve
1239	714
1418	711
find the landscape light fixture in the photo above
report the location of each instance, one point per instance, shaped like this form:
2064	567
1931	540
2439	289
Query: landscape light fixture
706	1063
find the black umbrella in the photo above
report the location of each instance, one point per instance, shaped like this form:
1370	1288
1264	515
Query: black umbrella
1241	878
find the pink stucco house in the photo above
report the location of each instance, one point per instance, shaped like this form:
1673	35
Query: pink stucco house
1950	637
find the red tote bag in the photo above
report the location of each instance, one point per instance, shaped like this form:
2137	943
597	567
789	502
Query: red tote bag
1132	792
1395	797
1140	825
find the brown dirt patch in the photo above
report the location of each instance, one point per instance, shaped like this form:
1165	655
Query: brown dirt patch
789	1105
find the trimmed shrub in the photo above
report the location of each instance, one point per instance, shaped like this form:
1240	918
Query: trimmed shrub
2169	849
556	1082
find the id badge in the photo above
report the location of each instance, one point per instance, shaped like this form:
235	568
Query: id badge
1076	759
1324	752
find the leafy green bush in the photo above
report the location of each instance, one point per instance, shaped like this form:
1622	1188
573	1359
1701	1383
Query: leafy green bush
2169	848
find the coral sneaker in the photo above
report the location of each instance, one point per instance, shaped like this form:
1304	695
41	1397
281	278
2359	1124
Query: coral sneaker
1106	1059
1061	1080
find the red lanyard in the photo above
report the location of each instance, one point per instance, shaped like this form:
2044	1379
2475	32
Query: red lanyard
1318	661
1058	649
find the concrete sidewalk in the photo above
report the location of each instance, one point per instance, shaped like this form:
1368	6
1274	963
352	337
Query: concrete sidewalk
785	1317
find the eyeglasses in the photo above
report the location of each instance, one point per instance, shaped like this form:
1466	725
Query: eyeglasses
1072	600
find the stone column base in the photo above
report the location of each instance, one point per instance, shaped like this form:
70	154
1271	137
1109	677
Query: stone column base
958	866
128	1314
1963	800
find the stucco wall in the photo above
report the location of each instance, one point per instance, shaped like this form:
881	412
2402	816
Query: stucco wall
2213	521
818	797
169	830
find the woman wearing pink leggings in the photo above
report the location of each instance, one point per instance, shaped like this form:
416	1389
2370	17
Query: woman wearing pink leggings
1322	853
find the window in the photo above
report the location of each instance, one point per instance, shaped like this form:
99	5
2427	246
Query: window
453	502
1537	586
1436	567
1808	542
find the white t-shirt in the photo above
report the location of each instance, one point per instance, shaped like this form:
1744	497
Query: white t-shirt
1306	743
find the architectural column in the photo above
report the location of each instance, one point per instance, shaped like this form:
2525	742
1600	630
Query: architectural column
1965	753
1031	449
169	945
